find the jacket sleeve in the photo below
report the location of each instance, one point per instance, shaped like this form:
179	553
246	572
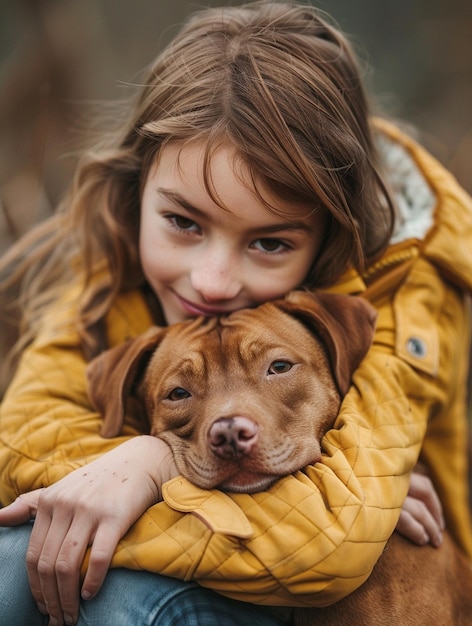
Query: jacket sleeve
47	426
314	537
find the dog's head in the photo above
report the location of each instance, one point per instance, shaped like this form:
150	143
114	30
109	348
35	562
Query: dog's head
241	399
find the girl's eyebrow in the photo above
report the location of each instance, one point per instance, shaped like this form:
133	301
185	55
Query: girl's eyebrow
177	199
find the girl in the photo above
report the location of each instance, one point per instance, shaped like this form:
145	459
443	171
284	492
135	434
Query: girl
249	166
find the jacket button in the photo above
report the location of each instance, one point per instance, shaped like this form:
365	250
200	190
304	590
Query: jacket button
416	347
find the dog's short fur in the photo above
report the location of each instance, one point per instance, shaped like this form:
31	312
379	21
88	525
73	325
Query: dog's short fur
241	399
246	398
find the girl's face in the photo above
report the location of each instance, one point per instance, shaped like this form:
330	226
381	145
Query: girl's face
203	260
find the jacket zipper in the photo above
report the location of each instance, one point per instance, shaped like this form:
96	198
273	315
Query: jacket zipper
395	258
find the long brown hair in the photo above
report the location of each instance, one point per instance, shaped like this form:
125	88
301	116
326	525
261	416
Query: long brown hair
276	80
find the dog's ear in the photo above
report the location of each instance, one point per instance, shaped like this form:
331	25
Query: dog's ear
112	374
345	324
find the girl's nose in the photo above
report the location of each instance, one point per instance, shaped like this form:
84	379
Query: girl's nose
216	278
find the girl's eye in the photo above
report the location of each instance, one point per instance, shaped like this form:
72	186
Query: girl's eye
270	245
183	223
179	393
279	367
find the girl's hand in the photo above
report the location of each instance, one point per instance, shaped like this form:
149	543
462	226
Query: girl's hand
93	506
421	520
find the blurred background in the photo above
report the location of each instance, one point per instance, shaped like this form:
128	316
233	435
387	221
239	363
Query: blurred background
59	58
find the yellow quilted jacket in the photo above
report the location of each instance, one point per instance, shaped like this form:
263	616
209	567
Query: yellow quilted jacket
312	537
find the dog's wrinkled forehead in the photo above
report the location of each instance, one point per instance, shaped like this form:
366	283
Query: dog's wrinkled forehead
266	324
238	336
267	319
188	345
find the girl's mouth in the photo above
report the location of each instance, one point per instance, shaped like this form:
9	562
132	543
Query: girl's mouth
195	310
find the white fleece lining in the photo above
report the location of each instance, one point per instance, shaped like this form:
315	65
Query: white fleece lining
414	197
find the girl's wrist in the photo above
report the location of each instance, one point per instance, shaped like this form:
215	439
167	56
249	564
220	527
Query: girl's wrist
158	458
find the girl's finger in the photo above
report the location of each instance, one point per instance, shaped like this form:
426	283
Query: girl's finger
21	510
68	563
428	520
422	488
101	553
47	539
34	556
418	524
413	530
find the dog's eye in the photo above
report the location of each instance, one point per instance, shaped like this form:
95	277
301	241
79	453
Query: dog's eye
179	393
279	367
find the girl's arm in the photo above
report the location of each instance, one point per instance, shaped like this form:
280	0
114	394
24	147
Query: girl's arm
94	506
83	490
47	425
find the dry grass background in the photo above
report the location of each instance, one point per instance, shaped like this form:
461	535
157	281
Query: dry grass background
58	56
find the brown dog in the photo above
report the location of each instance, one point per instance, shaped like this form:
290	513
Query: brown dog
266	384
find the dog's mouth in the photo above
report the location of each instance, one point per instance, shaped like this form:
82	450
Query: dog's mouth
229	476
248	482
239	474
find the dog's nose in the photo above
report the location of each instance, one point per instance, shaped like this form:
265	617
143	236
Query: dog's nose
232	436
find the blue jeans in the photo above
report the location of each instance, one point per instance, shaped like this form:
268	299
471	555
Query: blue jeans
127	597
